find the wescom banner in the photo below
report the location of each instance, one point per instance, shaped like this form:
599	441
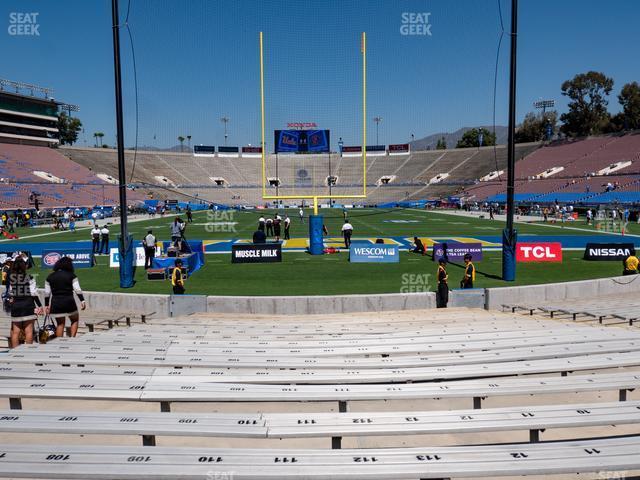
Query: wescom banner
376	253
539	252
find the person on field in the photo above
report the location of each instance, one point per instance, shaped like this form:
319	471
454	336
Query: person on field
261	224
287	226
469	272
347	232
630	265
301	214
418	246
277	227
95	239
177	278
104	237
177	232
59	301
149	244
259	236
442	293
189	213
269	223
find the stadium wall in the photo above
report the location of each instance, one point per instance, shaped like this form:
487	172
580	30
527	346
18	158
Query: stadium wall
490	298
539	294
165	305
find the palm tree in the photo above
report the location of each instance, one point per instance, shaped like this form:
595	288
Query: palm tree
189	141
95	135
98	136
181	140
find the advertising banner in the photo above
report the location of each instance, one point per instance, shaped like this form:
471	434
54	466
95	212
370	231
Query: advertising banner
608	251
114	257
82	258
455	251
539	252
376	253
256	253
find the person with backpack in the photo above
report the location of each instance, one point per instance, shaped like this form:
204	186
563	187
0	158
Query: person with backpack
24	302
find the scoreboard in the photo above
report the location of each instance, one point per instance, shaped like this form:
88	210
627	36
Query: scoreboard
302	141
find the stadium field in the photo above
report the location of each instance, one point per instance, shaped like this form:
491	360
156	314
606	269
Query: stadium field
240	224
304	274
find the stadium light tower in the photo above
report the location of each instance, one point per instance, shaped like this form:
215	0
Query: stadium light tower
225	120
544	104
377	120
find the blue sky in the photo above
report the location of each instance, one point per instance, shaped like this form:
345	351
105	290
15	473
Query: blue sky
197	61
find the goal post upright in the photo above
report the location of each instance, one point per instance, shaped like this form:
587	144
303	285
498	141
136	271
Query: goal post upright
315	197
262	142
363	51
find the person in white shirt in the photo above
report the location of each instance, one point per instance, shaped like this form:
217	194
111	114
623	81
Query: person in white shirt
261	223
94	217
104	235
287	225
347	231
149	244
589	216
95	238
301	213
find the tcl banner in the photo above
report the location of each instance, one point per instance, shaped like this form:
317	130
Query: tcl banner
539	252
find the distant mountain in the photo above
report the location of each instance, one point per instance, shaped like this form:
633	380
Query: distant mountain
429	142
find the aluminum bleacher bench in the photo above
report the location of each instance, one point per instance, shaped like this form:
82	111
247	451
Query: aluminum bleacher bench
116	320
334	425
510	324
166	368
163	463
176	356
337	347
146	388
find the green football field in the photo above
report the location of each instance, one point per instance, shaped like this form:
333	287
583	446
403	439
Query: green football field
303	274
367	223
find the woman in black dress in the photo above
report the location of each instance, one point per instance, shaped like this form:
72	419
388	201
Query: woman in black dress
58	296
25	303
